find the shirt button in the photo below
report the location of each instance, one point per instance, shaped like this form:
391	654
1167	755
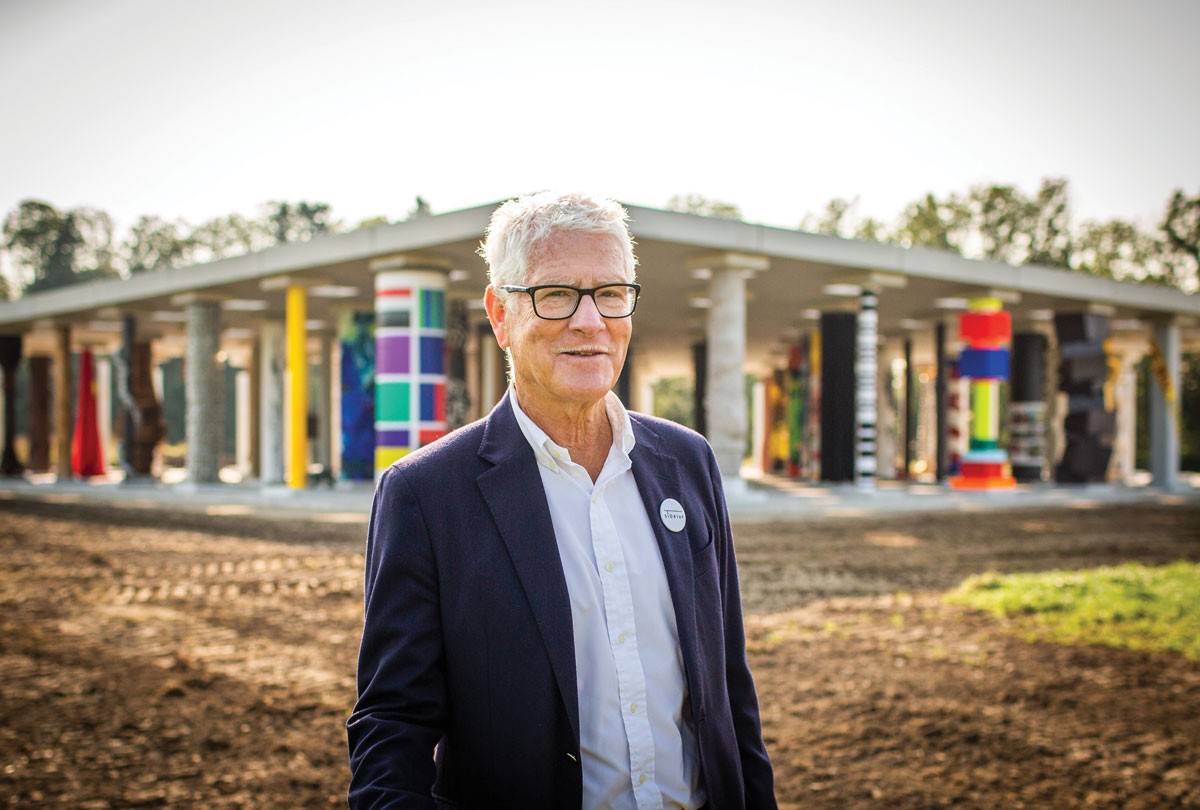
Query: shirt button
621	639
633	708
642	779
608	567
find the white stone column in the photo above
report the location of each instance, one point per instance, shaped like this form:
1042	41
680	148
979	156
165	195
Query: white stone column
202	384
1164	403
272	364
725	397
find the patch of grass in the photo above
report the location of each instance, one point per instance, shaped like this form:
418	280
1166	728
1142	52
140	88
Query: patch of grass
1133	606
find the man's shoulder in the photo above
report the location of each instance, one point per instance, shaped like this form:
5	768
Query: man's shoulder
672	435
448	454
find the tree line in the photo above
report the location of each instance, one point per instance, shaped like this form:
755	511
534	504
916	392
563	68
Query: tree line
50	247
1003	223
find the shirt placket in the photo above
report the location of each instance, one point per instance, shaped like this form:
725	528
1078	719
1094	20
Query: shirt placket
623	641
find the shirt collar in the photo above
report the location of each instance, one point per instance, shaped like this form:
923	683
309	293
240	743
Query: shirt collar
549	454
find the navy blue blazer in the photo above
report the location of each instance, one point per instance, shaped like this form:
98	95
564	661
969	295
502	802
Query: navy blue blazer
467	645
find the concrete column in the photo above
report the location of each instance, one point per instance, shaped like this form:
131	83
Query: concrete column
272	363
866	392
410	363
62	402
725	333
1164	403
254	414
725	397
203	387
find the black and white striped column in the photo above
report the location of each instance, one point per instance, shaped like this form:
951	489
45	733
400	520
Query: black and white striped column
866	364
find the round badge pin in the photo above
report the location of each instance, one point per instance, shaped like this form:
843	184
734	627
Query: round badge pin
672	514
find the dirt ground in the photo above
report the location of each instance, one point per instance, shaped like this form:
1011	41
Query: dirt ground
151	660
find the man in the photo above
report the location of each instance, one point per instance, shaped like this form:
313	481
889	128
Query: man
552	600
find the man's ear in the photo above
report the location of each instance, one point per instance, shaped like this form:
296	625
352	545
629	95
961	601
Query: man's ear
496	314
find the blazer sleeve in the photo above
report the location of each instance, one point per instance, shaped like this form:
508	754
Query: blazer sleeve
400	714
758	777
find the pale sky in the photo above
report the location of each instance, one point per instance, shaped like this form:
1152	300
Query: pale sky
197	109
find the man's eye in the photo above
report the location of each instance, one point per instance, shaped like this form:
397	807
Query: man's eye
558	292
612	294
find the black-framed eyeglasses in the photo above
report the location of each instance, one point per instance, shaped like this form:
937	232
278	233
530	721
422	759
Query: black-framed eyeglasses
557	302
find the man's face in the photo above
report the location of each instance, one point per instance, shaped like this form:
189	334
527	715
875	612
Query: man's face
575	361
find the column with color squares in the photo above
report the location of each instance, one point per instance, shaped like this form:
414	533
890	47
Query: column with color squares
987	330
410	370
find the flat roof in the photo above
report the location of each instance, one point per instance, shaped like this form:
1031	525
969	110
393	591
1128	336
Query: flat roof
782	299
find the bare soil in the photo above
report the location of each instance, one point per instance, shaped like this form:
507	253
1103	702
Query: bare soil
150	659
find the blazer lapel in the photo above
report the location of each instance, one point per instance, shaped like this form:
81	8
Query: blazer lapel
514	494
658	478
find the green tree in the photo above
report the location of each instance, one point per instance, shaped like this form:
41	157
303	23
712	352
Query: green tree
932	223
1115	249
692	203
232	235
1002	223
155	244
1181	229
1049	225
298	222
673	399
52	248
421	208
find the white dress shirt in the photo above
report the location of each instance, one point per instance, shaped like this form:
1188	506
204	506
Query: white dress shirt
637	745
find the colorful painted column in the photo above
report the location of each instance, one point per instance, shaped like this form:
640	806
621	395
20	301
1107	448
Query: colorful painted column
87	451
297	389
356	335
987	329
410	363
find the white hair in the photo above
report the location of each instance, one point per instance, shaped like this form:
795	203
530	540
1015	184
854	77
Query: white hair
520	226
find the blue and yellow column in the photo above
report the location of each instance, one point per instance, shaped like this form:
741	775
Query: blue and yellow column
410	363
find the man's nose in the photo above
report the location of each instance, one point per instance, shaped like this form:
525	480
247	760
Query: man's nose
587	314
